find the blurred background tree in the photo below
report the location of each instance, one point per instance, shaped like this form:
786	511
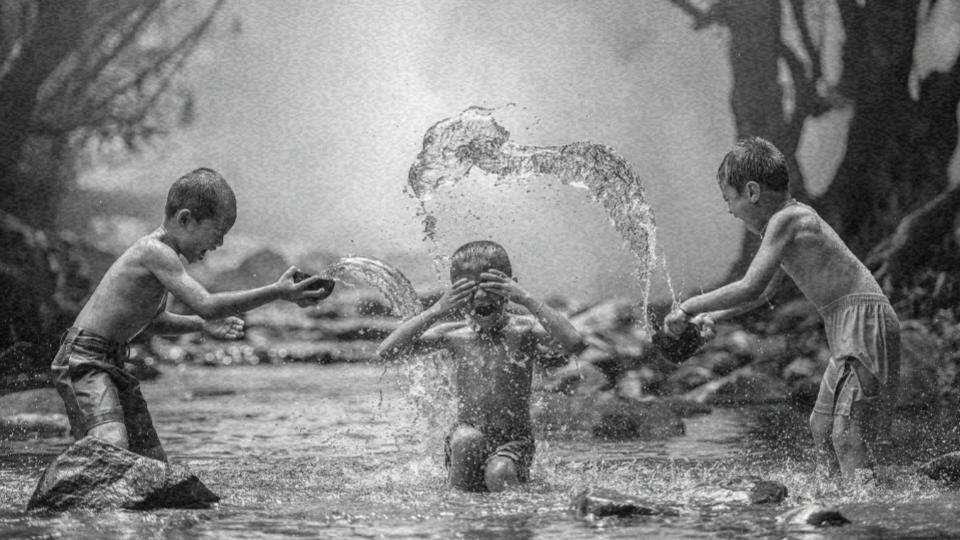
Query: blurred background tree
78	78
890	198
87	75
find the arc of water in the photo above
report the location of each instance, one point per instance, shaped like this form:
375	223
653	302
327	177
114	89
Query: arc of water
392	284
452	147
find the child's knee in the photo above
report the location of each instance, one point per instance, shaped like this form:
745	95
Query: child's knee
465	439
114	433
500	473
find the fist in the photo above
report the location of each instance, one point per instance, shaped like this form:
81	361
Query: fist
228	328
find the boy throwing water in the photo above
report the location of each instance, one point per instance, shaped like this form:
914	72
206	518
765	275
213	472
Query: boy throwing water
859	387
491	446
102	399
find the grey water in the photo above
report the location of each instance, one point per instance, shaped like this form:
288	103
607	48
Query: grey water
336	451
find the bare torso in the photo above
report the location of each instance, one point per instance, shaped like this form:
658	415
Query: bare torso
821	265
493	377
127	298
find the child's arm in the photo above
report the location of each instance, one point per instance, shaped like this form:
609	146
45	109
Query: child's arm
748	289
409	337
164	263
167	323
556	325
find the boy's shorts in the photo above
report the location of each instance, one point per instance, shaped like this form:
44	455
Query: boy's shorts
863	332
89	376
519	451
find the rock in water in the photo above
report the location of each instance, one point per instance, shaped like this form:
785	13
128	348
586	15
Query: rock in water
602	502
94	474
813	514
945	468
744	490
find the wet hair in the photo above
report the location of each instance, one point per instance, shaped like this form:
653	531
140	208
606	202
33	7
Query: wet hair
205	193
754	160
479	255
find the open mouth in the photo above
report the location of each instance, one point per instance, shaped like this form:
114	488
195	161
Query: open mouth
485	310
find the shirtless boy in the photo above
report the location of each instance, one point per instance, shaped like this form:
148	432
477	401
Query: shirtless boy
491	446
102	399
859	386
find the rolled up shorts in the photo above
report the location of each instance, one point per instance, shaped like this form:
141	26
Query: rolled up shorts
89	376
520	451
863	332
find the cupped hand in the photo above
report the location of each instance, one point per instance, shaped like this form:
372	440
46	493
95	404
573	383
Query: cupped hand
227	328
705	324
675	323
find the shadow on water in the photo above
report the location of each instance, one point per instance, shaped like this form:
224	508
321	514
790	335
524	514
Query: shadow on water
336	452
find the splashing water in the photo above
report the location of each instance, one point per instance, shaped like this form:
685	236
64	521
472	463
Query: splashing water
452	147
395	287
426	379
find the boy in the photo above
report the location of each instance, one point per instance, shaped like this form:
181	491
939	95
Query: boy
859	386
491	446
103	400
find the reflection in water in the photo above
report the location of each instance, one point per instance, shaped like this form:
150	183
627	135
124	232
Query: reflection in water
334	451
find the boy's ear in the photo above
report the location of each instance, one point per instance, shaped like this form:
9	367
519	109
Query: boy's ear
183	216
753	191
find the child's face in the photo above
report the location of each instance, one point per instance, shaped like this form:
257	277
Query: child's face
203	236
739	204
484	308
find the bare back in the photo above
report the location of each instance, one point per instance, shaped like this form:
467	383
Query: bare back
128	297
817	259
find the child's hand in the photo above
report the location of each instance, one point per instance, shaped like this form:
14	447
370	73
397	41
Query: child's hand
675	322
228	328
705	324
298	291
456	296
502	285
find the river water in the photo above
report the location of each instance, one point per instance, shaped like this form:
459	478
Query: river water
336	452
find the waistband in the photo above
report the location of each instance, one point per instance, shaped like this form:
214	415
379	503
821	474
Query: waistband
851	300
87	338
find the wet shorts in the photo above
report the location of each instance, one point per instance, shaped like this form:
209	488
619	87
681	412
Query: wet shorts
88	373
519	451
864	337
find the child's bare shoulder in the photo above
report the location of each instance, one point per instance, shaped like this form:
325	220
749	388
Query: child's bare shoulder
796	219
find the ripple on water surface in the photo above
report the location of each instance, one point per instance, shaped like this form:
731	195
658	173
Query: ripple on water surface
334	451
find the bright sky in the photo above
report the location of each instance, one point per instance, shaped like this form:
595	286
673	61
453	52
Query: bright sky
315	112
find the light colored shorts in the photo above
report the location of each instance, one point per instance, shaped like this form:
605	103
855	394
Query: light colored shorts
863	333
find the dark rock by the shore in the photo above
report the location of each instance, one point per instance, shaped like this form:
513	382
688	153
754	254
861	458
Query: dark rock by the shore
596	502
945	468
744	490
813	514
95	475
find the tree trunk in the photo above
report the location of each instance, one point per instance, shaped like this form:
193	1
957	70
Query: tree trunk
55	34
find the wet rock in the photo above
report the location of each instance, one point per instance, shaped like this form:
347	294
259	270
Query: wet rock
596	502
813	514
738	343
794	316
627	419
719	362
686	378
945	468
93	474
741	490
745	385
24	426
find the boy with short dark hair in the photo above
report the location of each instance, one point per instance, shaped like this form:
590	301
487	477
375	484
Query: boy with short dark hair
102	399
491	446
859	387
